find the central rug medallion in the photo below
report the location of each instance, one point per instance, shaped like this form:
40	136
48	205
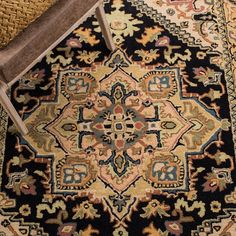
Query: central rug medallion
116	127
119	127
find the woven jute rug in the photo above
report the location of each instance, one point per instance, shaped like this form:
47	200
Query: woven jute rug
140	141
16	15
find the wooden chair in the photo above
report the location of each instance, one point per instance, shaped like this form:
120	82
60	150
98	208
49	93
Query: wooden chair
40	36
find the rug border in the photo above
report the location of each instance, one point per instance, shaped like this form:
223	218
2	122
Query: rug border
229	67
3	131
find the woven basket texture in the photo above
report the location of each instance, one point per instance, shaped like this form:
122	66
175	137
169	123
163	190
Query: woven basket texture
16	15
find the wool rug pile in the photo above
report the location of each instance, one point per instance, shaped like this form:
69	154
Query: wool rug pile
139	141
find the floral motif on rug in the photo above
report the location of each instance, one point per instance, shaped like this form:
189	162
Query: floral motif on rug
139	141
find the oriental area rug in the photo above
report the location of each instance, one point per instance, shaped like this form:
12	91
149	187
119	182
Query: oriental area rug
139	141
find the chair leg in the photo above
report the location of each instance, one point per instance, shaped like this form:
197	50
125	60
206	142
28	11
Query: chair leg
7	105
101	17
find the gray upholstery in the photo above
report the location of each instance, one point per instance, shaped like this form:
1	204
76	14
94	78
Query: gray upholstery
39	35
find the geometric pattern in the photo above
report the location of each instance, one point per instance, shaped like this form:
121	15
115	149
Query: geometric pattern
139	141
